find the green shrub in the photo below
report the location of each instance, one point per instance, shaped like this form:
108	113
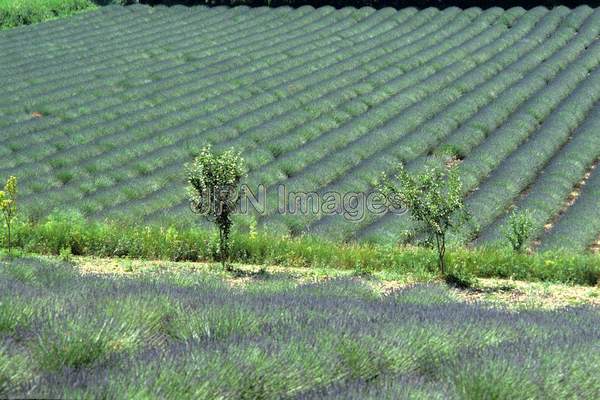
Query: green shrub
460	279
15	13
518	229
60	230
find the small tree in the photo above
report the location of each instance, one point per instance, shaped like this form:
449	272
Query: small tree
434	199
8	205
214	180
518	229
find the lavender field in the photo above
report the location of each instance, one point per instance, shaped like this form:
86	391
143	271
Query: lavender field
101	111
193	335
112	287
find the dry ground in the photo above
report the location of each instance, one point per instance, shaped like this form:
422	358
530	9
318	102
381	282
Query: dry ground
517	294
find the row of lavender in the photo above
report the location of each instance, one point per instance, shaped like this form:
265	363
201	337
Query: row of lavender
191	335
101	111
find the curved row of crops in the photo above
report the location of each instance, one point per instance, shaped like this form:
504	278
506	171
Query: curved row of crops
101	111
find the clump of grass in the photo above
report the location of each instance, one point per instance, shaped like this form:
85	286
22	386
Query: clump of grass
362	271
127	265
66	254
424	294
460	279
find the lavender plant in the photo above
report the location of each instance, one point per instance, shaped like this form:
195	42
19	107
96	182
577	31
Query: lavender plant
191	335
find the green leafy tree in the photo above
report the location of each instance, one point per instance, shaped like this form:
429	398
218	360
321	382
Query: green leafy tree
214	180
8	205
518	229
433	197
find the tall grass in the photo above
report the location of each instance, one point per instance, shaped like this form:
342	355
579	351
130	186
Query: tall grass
71	231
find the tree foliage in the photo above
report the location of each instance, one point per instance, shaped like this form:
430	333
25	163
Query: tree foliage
214	180
433	197
8	206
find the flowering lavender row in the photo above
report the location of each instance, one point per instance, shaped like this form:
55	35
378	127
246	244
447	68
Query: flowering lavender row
192	335
100	112
580	223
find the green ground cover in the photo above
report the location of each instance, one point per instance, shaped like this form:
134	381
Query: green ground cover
74	234
100	111
185	334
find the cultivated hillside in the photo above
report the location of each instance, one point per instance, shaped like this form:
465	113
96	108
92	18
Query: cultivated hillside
101	111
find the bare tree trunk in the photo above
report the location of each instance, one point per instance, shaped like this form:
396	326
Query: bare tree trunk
222	247
9	238
443	254
224	242
440	241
